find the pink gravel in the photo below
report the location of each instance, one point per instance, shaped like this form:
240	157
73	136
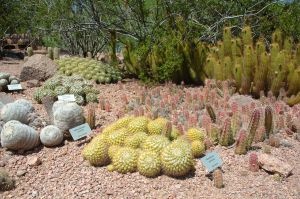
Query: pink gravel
64	174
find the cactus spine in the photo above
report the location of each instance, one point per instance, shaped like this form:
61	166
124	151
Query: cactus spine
254	121
226	138
253	162
218	179
29	51
50	52
91	118
56	52
241	143
252	67
211	112
268	121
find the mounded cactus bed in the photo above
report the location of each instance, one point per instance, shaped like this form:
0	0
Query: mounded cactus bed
89	69
66	174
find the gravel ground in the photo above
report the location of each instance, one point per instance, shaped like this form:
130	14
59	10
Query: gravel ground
64	174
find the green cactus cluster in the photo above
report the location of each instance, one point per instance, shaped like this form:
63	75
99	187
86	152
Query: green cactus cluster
174	57
254	67
89	69
82	89
129	145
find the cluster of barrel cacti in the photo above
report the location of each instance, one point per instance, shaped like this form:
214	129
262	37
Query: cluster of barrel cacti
225	116
174	57
82	89
150	147
255	68
53	53
89	69
6	79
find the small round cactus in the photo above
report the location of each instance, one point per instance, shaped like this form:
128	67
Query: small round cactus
51	136
18	136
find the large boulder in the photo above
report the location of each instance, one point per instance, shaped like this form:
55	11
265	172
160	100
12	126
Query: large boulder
38	67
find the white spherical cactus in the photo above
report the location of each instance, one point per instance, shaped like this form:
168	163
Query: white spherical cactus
18	110
18	136
67	115
51	136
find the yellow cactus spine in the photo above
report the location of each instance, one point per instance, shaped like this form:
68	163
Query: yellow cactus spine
247	70
227	41
227	67
277	37
247	36
261	74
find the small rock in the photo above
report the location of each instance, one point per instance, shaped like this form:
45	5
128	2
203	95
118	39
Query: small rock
33	161
244	173
274	165
277	177
2	163
285	143
33	83
21	173
34	194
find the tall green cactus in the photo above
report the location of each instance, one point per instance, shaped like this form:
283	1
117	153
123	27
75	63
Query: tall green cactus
253	68
268	121
277	37
227	67
227	41
247	70
247	36
260	75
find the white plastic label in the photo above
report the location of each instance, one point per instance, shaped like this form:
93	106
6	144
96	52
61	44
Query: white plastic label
13	87
68	98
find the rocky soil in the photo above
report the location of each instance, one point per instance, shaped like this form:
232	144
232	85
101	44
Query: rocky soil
61	172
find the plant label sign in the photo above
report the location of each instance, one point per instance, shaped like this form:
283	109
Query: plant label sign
67	98
211	161
80	131
14	87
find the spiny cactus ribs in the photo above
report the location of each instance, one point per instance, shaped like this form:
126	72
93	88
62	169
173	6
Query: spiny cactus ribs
130	145
254	69
89	69
83	90
253	162
209	107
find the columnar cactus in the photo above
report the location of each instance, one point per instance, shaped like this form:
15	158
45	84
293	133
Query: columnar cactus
50	52
90	117
226	138
218	179
268	121
253	124
253	68
6	182
253	162
211	112
56	52
241	144
29	51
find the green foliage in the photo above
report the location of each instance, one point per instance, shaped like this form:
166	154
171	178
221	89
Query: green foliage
173	56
